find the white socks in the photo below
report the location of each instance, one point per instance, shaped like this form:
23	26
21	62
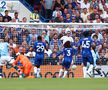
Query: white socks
65	73
37	71
60	73
84	72
90	69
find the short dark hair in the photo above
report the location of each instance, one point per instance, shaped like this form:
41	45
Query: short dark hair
86	33
39	38
6	11
16	12
95	36
67	44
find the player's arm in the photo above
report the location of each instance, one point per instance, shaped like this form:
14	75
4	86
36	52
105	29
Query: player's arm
16	67
59	53
17	59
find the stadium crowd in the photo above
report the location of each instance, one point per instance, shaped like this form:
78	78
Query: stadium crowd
68	11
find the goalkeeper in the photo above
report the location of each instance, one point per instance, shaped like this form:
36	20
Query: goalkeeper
26	65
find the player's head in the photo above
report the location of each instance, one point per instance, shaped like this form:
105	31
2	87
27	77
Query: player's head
86	33
67	44
95	37
39	38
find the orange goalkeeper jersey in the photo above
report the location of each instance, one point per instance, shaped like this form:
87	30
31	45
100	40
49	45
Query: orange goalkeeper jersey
23	60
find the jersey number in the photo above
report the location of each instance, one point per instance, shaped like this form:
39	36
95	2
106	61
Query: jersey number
86	44
68	52
40	48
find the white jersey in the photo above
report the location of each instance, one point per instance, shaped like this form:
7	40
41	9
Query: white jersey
66	38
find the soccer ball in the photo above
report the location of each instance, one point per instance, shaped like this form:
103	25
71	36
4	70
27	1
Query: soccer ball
74	67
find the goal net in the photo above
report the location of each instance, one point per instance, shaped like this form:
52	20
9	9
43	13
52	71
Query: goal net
22	36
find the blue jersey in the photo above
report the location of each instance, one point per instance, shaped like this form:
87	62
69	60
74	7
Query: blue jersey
68	52
4	49
39	47
86	45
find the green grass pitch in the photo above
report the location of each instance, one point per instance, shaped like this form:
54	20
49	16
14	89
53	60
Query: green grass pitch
54	84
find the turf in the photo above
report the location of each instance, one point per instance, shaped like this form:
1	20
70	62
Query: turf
54	84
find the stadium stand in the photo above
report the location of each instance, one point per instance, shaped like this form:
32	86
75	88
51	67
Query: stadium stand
85	11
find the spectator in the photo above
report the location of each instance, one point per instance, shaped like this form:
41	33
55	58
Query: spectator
65	11
32	34
56	12
45	36
16	18
68	18
99	35
24	20
12	44
59	3
78	18
85	4
34	17
97	19
54	59
32	41
48	5
1	18
48	51
6	17
92	15
84	15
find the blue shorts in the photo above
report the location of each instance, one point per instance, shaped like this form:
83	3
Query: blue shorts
66	63
38	60
87	58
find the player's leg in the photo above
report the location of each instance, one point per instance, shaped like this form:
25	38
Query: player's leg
90	68
65	73
1	75
61	72
66	66
2	62
19	70
27	69
38	62
62	69
35	66
41	58
84	67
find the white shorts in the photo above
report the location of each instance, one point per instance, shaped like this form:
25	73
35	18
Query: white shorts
5	59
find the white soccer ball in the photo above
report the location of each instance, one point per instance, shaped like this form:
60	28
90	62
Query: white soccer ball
74	67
